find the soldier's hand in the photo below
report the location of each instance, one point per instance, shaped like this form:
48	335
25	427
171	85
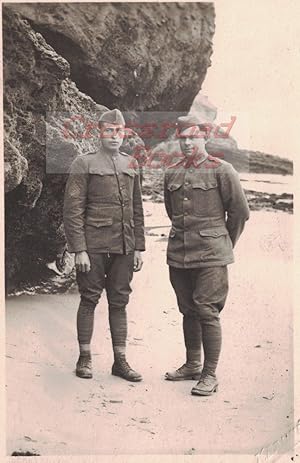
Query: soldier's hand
82	261
138	261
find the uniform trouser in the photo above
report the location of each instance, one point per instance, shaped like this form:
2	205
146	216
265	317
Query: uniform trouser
201	294
112	272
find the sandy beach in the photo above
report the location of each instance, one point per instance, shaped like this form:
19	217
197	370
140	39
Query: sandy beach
52	412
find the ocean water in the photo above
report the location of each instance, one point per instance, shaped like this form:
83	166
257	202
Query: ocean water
267	183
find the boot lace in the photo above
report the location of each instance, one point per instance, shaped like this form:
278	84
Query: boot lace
84	361
125	365
206	379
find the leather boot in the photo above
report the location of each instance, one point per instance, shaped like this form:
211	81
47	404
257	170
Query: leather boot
191	369
84	366
122	369
207	385
186	372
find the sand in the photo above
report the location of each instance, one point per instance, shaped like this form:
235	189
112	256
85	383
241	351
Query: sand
52	412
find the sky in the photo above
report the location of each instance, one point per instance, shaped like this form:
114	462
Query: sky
253	73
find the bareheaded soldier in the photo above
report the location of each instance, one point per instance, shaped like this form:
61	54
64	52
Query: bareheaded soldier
104	226
208	209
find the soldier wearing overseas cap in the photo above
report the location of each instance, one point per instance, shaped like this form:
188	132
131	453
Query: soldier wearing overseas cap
208	209
104	226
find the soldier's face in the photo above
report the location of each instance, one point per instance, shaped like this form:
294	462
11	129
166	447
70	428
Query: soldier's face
192	141
112	136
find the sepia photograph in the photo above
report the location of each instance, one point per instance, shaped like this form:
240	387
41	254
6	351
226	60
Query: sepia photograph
148	158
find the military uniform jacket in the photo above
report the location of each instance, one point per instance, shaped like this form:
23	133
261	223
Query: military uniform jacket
103	209
208	210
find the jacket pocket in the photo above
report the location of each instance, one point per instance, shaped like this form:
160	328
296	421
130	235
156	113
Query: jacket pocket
102	185
215	244
129	172
99	221
176	192
206	197
99	233
126	181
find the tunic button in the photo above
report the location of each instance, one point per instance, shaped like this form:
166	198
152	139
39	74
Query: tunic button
185	199
191	171
186	213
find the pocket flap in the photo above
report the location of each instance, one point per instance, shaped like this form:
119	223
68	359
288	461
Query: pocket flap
129	172
174	186
205	185
99	221
214	232
99	171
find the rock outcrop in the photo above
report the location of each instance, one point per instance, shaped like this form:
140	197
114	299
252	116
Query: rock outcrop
135	56
36	87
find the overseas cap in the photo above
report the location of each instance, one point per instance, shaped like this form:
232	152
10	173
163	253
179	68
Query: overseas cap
184	122
113	117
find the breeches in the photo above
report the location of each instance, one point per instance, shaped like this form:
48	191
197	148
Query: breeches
201	292
113	273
